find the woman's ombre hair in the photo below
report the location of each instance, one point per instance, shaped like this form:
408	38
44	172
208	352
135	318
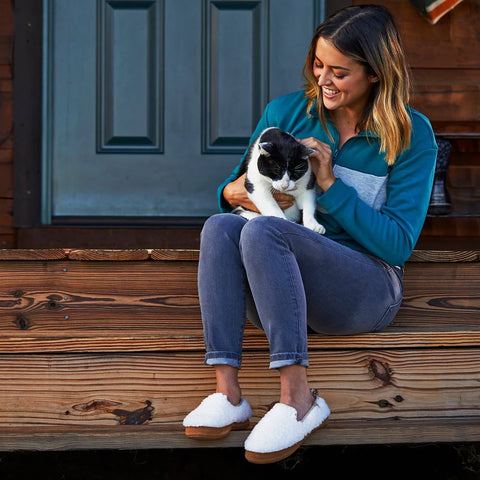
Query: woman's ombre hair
368	35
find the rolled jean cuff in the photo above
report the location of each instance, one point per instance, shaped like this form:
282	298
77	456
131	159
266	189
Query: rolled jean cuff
285	359
223	358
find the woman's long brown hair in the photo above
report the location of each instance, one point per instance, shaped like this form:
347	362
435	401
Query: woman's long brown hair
368	34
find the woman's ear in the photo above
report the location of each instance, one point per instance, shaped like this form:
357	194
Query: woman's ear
373	78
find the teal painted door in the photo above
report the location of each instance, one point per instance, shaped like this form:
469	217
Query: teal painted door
149	104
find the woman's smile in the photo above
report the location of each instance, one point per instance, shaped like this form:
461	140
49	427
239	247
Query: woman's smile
329	92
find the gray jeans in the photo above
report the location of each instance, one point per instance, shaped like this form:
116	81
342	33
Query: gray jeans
287	280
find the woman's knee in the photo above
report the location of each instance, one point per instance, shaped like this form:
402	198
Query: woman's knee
259	230
222	224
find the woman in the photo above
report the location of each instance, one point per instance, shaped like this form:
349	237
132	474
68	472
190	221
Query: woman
374	166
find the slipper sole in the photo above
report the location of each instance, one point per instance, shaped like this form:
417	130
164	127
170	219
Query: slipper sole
272	457
214	433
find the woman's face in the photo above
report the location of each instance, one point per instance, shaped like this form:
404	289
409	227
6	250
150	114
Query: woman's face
344	82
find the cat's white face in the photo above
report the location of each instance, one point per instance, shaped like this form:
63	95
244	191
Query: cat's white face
285	184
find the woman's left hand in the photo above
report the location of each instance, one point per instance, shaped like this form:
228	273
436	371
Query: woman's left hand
321	162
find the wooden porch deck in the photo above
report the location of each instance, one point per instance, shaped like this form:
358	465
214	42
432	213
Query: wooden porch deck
104	349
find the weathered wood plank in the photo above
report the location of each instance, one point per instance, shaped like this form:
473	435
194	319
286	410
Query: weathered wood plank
153	436
436	256
64	390
33	254
91	401
254	340
153	305
175	254
454	30
441	256
125	255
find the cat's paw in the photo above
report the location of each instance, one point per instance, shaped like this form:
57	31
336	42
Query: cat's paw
315	226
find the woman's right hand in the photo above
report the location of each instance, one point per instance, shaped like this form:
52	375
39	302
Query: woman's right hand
236	195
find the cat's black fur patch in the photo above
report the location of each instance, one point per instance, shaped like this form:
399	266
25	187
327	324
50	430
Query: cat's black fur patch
249	186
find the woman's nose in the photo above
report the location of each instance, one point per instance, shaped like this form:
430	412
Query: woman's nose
324	79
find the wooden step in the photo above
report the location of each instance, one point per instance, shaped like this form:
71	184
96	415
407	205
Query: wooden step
420	395
104	349
118	301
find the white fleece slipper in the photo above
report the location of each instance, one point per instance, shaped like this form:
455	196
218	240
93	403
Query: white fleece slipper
278	434
215	417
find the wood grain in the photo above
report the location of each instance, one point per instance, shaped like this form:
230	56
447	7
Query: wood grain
444	256
108	254
101	349
32	254
108	390
175	254
92	306
172	436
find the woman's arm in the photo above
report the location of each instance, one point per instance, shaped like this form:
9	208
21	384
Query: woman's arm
391	232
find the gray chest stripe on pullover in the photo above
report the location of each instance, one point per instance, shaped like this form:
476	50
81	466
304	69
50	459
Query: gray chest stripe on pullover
371	189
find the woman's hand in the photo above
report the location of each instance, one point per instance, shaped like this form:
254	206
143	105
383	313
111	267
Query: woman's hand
321	162
236	195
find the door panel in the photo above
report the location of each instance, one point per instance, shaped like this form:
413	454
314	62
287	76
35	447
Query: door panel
149	104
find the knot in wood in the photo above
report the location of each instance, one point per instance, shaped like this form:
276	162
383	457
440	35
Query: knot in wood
135	417
381	371
22	322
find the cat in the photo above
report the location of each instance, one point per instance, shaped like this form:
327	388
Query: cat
276	162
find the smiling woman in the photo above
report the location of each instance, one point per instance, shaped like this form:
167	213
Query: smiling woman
345	85
360	76
373	181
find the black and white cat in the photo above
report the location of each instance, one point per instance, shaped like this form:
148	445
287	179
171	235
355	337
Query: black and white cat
276	162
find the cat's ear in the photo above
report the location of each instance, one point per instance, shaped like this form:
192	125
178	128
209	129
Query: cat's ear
265	148
307	151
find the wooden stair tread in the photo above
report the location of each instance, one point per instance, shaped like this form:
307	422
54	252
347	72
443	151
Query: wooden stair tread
172	436
191	255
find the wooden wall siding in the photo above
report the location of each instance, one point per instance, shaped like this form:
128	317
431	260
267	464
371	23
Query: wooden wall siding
446	73
7	238
104	349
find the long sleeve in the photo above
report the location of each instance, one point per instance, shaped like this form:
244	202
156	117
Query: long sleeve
392	231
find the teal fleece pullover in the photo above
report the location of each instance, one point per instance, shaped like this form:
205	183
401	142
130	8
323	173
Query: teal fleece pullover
371	207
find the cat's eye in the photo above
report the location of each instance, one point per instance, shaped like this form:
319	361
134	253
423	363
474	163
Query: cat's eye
300	166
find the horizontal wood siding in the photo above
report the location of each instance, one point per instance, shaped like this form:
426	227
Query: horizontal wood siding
7	237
